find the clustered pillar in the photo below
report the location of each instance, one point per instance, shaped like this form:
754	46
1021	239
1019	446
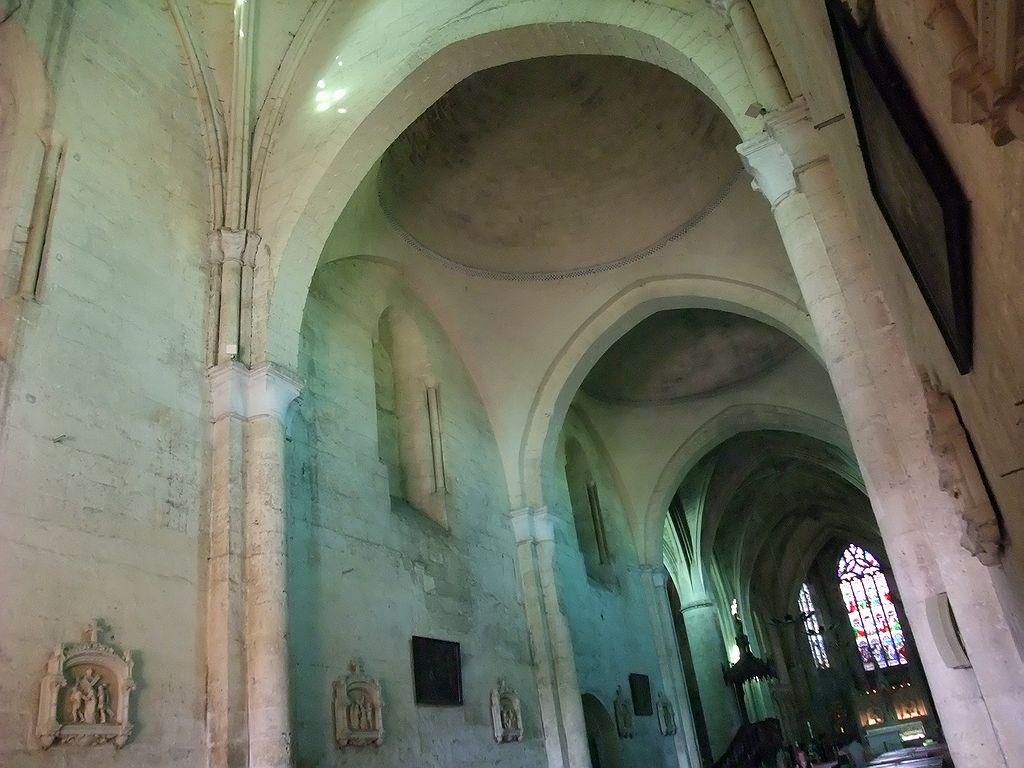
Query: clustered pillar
247	612
555	663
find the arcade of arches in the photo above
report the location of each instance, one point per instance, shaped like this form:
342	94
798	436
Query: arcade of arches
567	332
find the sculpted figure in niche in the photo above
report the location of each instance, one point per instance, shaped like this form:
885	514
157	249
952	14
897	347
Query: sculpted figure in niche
88	699
84	695
666	716
506	713
358	709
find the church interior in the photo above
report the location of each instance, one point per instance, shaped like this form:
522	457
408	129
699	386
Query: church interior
519	383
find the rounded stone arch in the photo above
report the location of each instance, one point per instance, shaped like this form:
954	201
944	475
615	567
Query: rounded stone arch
609	323
602	735
296	215
727	423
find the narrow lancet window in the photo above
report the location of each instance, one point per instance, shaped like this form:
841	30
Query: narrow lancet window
812	628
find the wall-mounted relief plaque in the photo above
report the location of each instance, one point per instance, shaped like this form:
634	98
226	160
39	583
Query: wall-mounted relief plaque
506	713
84	695
358	709
437	671
640	691
623	715
666	717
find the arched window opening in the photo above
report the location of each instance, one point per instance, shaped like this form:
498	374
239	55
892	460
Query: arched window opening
387	417
812	628
587	514
872	612
409	416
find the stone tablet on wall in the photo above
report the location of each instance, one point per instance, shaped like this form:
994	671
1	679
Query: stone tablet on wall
640	691
506	713
358	709
437	671
83	697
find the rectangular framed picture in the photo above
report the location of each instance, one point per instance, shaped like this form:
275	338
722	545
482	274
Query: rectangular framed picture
911	180
437	671
640	691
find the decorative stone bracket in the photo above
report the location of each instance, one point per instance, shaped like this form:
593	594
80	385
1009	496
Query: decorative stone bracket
84	695
985	64
960	477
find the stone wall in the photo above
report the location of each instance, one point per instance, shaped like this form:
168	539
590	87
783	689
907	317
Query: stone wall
608	618
367	571
100	471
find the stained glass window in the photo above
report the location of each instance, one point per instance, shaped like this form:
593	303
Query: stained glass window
872	612
812	628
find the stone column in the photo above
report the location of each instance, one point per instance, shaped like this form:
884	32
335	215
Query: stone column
248	719
755	53
707	647
667	646
565	732
887	414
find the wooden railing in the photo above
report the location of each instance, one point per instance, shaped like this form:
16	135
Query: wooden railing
754	745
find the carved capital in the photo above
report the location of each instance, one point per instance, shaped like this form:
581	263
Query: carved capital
766	160
724	7
247	393
238	245
656	573
536	525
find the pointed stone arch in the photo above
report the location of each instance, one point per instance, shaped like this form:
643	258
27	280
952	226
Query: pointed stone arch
299	207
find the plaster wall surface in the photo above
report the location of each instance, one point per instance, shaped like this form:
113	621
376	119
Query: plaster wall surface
100	482
512	334
367	571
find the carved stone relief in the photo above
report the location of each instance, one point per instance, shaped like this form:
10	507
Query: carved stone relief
358	709
506	713
666	716
84	695
623	715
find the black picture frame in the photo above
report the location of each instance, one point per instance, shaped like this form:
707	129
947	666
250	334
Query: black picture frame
437	672
911	180
640	691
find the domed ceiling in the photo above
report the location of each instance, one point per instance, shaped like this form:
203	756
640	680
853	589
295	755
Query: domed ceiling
679	354
558	163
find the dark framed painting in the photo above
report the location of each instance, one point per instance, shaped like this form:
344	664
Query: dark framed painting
640	691
437	671
911	180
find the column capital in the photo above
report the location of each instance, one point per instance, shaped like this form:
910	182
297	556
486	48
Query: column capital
264	390
766	160
724	7
788	146
656	573
238	245
529	524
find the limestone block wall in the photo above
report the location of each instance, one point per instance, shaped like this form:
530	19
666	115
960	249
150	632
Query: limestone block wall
366	571
100	443
608	619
